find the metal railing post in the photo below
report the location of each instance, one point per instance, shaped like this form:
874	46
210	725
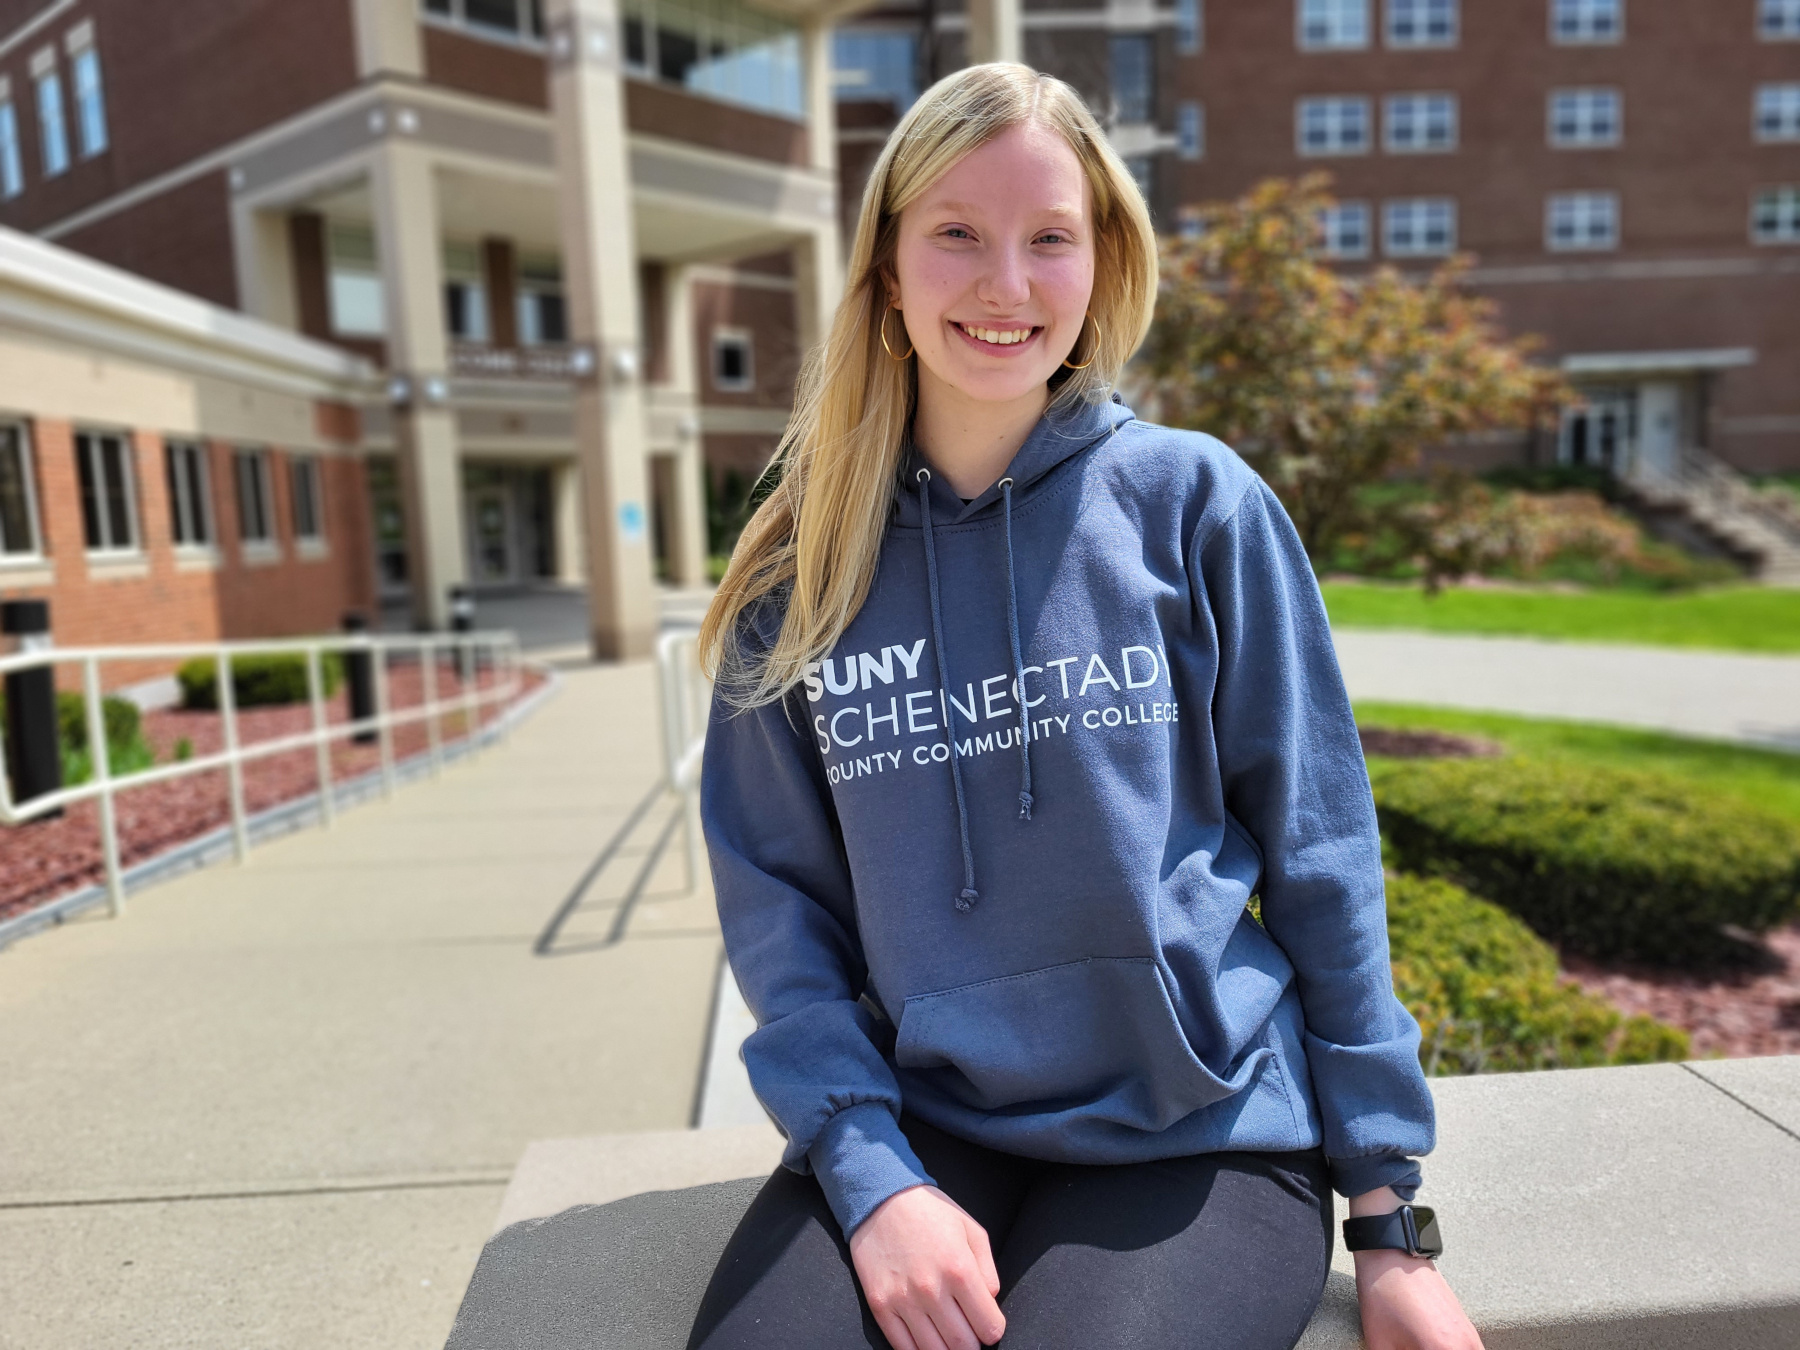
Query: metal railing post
100	762
315	688
428	675
384	725
469	662
234	767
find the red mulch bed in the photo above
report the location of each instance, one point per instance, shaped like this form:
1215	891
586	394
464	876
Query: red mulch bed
45	859
1734	1014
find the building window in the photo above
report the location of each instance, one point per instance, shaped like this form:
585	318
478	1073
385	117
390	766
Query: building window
465	293
1418	227
1421	23
1190	26
12	168
53	131
1190	130
1775	218
1134	77
542	318
90	102
1333	25
1190	222
1581	221
306	495
256	515
1779	20
873	67
1583	118
1344	230
108	494
723	49
1332	126
190	502
1587	20
1419	123
731	366
358	303
1778	112
18	503
521	19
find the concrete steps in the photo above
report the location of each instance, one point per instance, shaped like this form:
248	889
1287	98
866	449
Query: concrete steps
1757	526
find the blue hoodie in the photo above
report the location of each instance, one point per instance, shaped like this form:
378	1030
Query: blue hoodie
1026	922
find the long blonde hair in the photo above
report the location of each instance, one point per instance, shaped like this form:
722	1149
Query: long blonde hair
812	545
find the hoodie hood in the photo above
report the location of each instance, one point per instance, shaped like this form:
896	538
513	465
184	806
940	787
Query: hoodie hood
1063	432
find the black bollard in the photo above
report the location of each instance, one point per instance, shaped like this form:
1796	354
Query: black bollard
462	620
359	679
33	757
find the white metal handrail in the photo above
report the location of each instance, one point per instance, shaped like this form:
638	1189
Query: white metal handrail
498	652
686	705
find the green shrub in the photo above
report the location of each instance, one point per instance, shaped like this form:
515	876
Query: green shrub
256	681
1610	862
1486	993
126	749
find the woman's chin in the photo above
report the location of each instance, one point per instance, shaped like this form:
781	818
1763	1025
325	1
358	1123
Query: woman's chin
990	386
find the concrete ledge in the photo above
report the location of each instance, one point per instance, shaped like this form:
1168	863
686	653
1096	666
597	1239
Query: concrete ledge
1651	1208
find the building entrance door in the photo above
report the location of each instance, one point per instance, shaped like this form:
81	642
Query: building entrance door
493	557
1600	432
1659	429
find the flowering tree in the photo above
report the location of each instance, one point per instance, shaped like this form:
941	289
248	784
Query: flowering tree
1325	382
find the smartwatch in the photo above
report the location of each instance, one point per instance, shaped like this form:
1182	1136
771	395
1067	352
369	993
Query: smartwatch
1412	1229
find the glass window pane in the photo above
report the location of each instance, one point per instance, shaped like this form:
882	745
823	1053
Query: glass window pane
15	495
90	103
12	167
117	498
1134	76
501	14
52	131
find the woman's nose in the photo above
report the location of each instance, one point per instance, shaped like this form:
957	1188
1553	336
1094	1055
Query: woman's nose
1004	284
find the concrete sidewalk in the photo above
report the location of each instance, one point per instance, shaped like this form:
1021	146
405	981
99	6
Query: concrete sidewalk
1719	695
277	1105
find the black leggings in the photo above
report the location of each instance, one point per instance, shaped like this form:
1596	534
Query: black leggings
1226	1251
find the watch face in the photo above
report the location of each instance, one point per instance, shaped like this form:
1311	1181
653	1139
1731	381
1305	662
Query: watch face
1430	1241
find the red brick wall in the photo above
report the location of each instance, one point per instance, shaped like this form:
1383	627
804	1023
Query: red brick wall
163	601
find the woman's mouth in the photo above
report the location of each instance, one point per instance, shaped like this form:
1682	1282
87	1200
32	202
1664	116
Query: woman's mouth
997	340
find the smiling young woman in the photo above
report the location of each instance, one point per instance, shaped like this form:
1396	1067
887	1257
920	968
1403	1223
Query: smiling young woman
1020	700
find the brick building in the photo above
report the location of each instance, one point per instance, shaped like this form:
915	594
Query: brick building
171	471
583	243
1626	173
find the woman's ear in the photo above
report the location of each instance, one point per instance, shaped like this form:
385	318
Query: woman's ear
889	288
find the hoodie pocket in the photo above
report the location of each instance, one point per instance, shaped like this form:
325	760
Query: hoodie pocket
1098	1037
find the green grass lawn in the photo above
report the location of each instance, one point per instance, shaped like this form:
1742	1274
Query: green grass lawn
1769	778
1733	618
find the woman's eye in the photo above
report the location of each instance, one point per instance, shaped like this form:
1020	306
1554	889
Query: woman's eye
957	232
1053	237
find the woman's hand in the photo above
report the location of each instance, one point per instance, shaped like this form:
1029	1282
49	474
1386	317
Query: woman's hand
1406	1305
928	1273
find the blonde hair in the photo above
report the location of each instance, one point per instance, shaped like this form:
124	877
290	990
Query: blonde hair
812	545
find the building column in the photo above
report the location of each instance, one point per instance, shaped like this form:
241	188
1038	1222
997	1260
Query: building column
818	255
387	38
996	31
600	285
404	192
571	540
688	550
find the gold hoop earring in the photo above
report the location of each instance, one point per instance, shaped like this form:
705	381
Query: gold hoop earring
1093	353
883	330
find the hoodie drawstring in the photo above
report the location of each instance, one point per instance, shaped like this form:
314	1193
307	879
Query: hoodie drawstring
966	900
1012	630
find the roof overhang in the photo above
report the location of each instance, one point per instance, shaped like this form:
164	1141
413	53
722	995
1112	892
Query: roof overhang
1657	363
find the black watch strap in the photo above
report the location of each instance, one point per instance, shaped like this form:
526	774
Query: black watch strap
1412	1229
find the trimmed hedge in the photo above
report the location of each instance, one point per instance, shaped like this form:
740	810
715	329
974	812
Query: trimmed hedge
126	749
1611	862
257	681
1485	991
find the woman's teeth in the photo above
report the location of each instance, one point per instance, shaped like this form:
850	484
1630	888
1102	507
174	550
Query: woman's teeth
999	337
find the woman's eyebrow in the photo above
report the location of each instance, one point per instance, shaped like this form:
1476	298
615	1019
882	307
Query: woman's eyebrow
1059	209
